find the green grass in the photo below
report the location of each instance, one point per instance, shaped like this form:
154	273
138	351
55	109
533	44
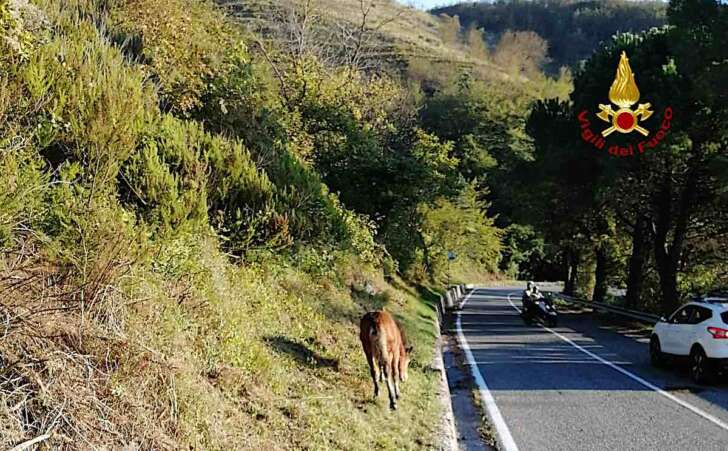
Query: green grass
269	356
196	352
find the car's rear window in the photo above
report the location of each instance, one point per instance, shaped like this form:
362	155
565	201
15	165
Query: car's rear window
724	315
700	314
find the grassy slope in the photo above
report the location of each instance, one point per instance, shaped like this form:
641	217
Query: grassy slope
223	356
268	356
407	32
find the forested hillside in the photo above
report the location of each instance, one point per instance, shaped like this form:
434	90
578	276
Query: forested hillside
572	28
201	198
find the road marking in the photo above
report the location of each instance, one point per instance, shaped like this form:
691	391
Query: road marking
504	434
634	377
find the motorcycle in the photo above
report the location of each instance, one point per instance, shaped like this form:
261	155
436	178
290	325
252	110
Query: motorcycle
538	307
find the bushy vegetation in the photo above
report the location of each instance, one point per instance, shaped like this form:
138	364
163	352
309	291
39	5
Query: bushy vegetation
193	220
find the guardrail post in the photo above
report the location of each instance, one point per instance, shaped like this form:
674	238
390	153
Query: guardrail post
438	308
448	300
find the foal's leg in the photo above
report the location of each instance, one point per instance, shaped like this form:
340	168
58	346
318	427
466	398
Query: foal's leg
390	384
374	372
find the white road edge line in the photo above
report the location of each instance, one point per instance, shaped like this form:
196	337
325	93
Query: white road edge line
504	434
634	377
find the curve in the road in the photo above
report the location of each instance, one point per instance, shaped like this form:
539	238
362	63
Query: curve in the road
553	399
633	376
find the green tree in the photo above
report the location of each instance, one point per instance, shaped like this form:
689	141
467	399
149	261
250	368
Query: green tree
461	226
573	29
477	48
450	29
672	194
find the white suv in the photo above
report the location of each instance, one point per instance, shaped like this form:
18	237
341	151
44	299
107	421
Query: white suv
699	331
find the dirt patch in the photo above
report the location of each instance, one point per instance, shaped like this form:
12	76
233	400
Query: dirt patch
684	389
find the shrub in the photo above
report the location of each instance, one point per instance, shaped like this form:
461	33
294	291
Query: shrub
184	175
19	24
165	180
24	185
181	43
93	104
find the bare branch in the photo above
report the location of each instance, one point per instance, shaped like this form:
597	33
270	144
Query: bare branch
278	73
29	443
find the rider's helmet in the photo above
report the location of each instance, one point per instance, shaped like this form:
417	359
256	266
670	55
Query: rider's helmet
529	286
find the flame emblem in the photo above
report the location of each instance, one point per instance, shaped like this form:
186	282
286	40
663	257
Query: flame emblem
624	93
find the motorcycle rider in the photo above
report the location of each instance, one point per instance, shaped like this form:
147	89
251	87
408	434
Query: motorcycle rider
528	296
532	308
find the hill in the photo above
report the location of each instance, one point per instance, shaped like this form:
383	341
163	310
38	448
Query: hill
197	213
388	33
572	28
174	273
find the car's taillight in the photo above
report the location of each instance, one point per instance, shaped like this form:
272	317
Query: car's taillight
718	333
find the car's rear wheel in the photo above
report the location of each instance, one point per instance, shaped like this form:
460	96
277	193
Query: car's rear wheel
657	359
701	369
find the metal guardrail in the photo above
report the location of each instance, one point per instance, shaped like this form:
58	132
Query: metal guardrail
447	427
599	306
450	300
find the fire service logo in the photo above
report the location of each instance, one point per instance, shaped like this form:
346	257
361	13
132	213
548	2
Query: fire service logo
624	93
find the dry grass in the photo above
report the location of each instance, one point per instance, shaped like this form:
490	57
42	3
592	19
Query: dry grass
202	353
406	34
58	355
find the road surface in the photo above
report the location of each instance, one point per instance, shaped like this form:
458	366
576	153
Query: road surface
581	386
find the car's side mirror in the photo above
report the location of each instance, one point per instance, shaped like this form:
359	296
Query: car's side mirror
663	319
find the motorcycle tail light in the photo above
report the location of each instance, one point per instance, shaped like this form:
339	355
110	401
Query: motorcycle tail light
718	333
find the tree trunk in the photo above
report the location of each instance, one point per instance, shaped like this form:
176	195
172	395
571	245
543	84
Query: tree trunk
572	262
425	255
668	285
636	275
663	253
669	251
600	275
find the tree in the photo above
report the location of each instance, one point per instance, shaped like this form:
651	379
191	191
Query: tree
450	29
688	193
477	48
461	225
573	29
671	194
562	194
522	52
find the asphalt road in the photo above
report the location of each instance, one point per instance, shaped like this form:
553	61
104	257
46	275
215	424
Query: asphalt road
552	395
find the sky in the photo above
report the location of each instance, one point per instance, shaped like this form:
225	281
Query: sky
428	4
